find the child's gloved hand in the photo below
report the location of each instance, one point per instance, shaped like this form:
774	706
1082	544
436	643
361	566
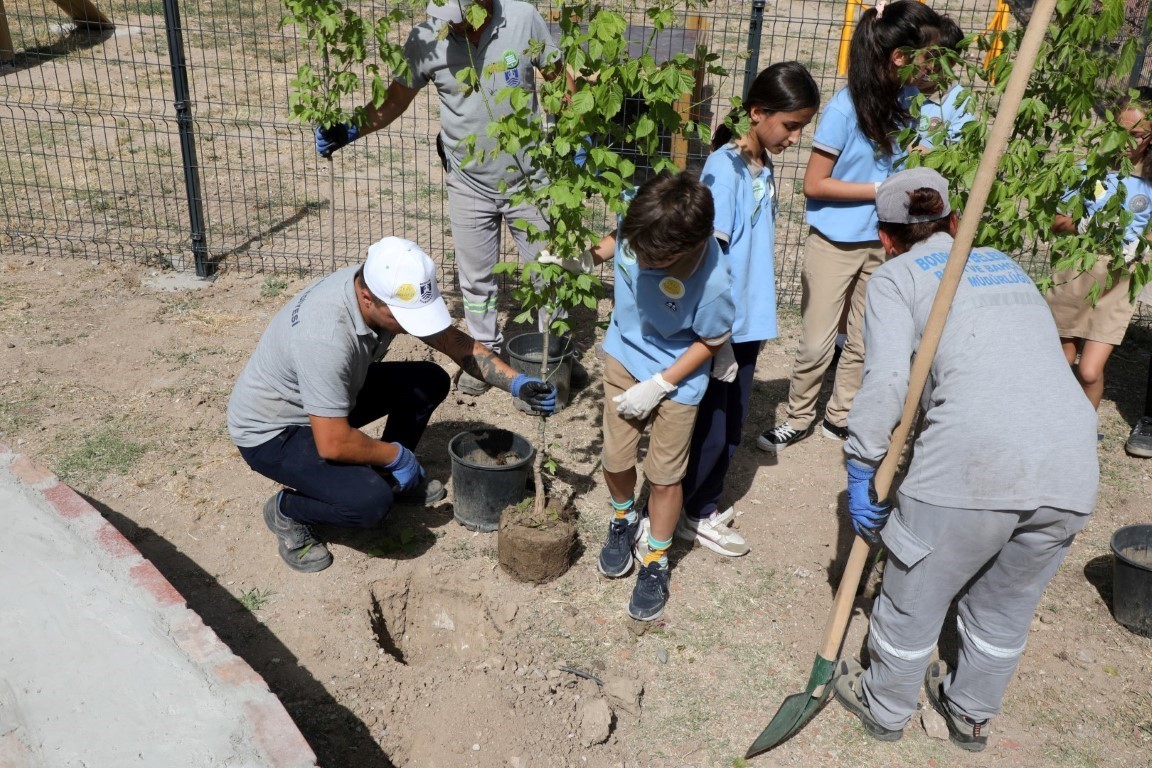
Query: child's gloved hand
639	399
724	365
580	266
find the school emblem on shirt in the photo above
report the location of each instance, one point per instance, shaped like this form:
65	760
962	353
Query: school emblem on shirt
672	288
511	61
1138	204
758	189
406	292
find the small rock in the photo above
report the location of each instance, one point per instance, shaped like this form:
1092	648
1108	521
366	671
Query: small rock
662	655
476	747
11	345
1046	618
934	724
624	693
1085	657
595	722
1035	626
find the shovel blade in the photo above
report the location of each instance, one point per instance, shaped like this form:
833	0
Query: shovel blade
797	709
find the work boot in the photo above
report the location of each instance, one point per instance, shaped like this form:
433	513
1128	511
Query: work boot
850	692
426	492
298	547
966	733
471	386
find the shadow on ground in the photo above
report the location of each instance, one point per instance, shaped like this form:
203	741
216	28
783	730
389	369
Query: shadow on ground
336	735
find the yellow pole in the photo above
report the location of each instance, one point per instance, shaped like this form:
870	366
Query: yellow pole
998	26
846	35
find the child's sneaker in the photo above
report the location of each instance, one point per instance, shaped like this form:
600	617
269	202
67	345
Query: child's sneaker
850	693
833	432
650	594
781	437
713	532
616	554
965	732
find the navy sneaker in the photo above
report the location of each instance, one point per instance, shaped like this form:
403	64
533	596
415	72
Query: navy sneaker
650	593
298	547
1140	440
850	693
966	733
779	438
616	554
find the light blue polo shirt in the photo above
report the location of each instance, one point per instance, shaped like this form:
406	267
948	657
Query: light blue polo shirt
951	111
746	208
1137	201
857	160
657	317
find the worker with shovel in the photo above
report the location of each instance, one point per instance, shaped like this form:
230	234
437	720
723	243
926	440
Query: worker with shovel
1003	476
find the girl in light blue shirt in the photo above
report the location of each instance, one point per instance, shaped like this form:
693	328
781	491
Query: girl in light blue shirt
781	101
853	151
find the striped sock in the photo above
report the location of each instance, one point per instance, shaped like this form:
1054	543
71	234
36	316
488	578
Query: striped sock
624	510
657	551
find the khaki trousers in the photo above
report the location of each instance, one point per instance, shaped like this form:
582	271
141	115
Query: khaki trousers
834	273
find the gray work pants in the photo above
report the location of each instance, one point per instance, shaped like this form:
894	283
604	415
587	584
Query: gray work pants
476	224
933	552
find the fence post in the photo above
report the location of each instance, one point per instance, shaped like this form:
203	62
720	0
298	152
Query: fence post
755	29
187	138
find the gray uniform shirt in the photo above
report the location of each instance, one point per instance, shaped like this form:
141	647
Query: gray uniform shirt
1007	427
514	44
312	359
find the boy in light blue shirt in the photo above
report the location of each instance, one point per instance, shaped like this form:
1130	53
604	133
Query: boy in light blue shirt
673	311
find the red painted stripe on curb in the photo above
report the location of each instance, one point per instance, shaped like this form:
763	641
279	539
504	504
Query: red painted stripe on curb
29	472
196	639
277	736
114	543
67	502
235	671
146	575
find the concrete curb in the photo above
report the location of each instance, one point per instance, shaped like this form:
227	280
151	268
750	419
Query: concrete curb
269	730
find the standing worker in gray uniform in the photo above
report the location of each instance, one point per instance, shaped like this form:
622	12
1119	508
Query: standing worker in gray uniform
505	50
317	376
1002	477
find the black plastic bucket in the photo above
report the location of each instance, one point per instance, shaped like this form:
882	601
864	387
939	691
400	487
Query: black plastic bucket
1132	578
490	470
524	357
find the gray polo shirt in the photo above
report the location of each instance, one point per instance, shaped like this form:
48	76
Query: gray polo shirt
512	47
312	359
1007	427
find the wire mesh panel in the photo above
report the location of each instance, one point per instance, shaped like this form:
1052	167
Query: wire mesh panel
91	161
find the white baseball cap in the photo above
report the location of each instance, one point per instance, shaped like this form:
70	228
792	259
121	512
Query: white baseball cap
451	11
400	274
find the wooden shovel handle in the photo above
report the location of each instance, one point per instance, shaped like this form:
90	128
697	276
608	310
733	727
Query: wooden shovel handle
934	327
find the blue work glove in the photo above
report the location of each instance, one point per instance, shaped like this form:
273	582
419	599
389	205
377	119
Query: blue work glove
539	395
328	140
868	515
405	469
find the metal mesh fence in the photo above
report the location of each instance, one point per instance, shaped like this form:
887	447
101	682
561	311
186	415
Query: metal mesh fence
91	163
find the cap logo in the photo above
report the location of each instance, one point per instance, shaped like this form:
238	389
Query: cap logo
426	292
406	292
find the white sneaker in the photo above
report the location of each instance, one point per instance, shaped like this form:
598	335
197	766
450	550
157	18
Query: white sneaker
713	532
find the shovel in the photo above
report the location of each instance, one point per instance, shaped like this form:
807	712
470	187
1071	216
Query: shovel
799	708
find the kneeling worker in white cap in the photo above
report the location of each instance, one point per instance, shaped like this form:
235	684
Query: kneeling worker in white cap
317	376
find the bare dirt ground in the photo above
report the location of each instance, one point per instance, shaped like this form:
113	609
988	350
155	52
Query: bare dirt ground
416	649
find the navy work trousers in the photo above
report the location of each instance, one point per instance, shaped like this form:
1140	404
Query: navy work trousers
352	495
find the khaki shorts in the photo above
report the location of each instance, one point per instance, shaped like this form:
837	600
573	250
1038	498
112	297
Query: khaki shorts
668	443
1076	318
